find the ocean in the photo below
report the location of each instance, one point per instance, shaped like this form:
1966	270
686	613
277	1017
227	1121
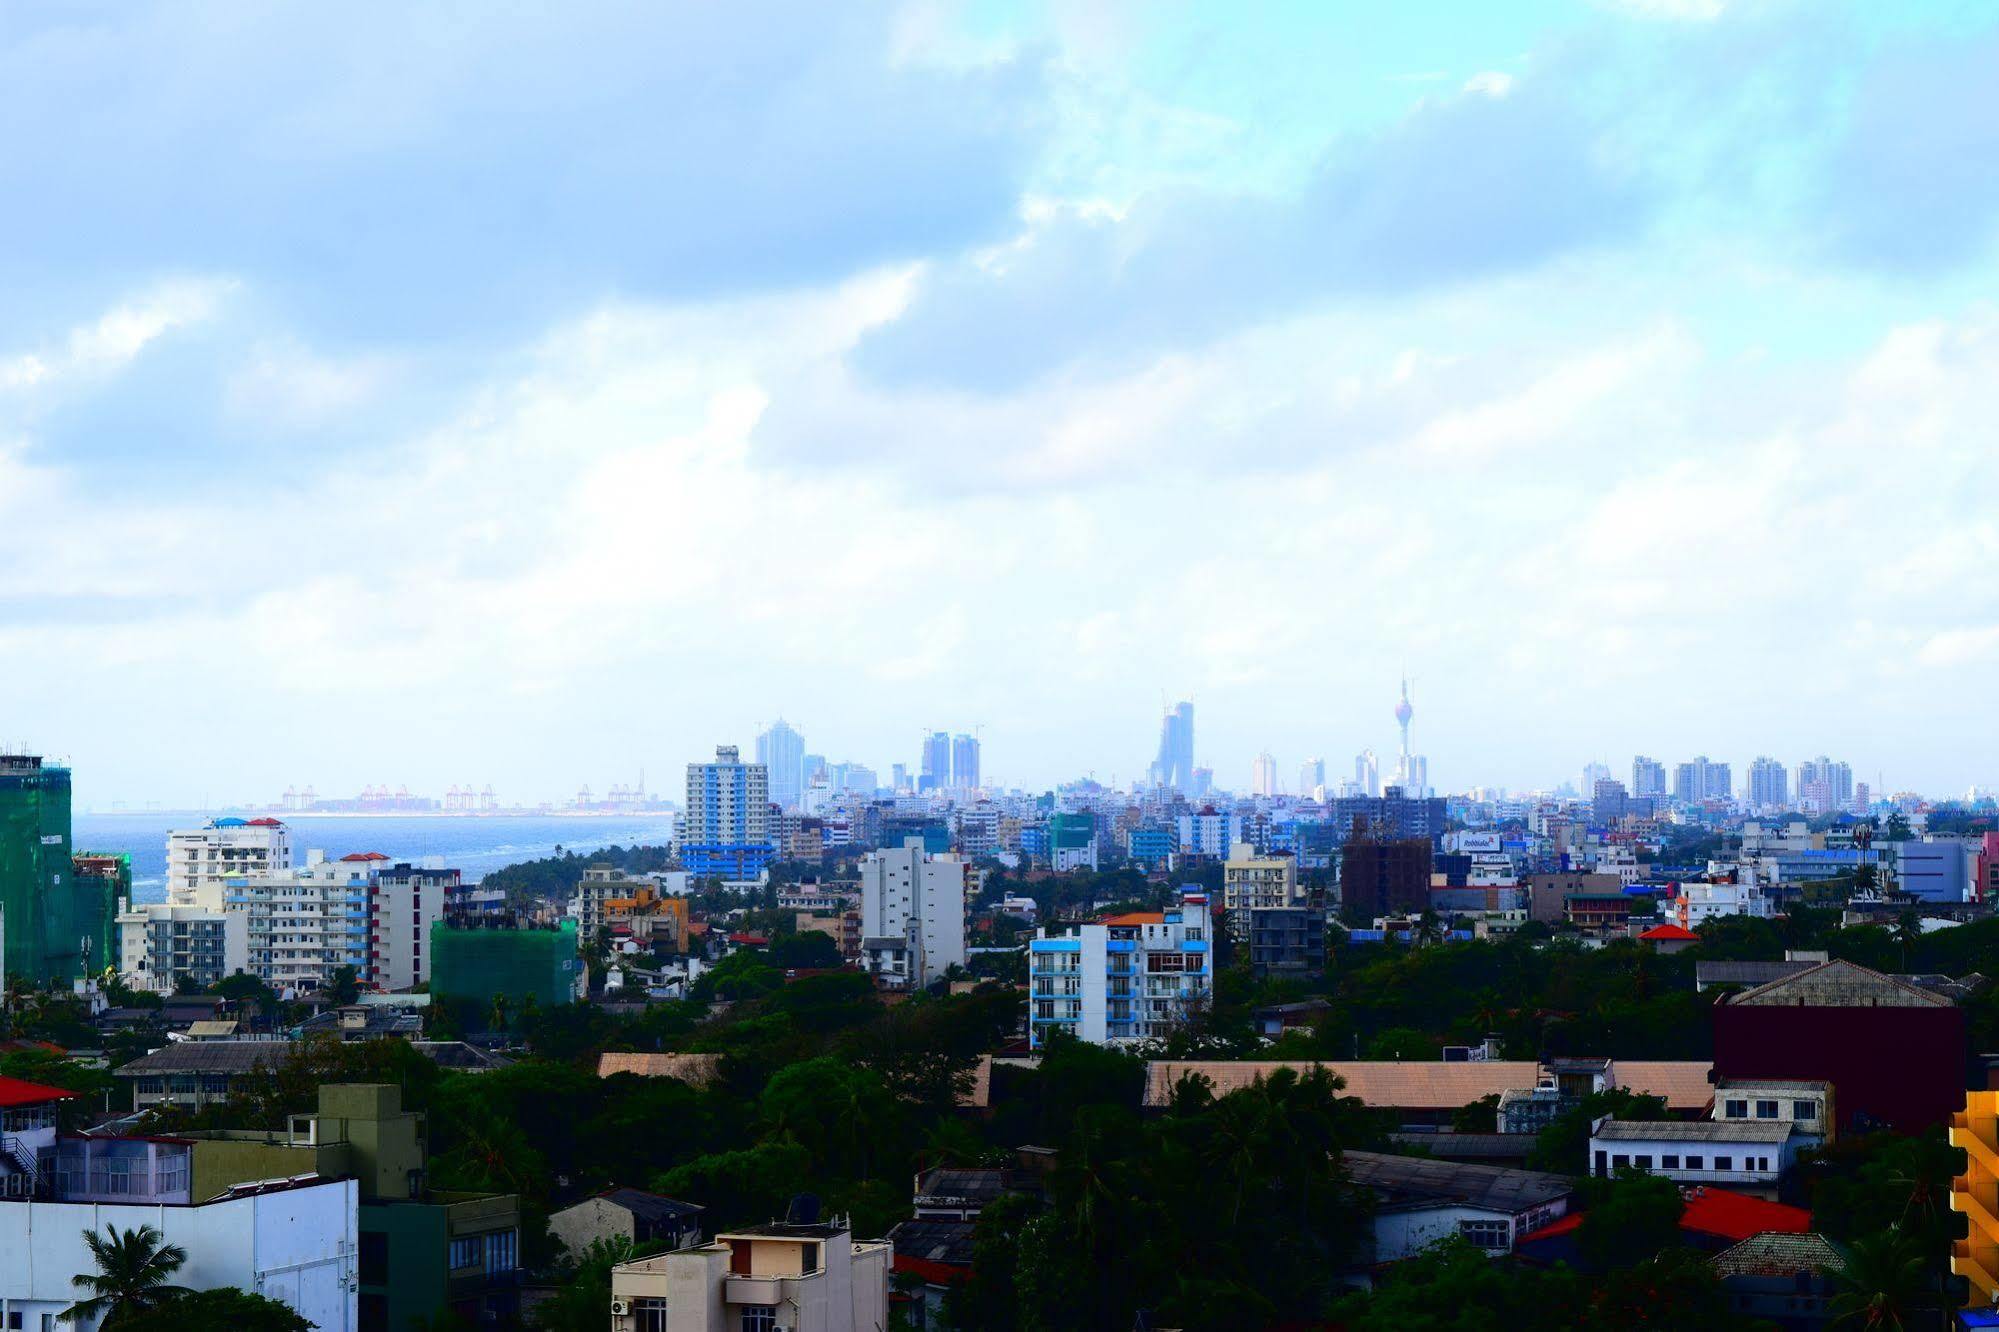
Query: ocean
477	845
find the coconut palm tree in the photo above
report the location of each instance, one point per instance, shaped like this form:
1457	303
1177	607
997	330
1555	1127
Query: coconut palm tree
1883	1287
131	1276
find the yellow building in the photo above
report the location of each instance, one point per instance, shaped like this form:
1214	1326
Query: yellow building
651	918
1976	1194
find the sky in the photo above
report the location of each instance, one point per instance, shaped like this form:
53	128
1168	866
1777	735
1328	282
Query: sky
544	394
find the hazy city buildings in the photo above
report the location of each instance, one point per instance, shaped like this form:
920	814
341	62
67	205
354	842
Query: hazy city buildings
1699	780
936	773
1312	778
781	750
1769	784
1263	775
1648	777
964	763
1367	773
726	826
1825	786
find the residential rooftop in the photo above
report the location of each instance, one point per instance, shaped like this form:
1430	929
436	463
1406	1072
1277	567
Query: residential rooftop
1416	1181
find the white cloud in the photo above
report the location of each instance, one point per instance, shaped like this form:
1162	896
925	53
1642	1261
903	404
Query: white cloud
1679	11
1492	83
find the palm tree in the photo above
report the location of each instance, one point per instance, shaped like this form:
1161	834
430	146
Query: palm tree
1882	1286
131	1276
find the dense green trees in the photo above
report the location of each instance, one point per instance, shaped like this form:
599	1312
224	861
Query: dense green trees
223	1307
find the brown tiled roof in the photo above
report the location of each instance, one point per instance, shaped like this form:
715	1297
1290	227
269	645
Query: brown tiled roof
697	1069
1411	1084
1838	984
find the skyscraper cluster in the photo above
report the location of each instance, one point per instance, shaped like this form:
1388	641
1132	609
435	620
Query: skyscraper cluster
1174	768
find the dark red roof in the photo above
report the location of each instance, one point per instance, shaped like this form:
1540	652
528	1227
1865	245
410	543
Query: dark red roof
1729	1216
936	1273
752	940
265	823
1670	933
14	1093
363	855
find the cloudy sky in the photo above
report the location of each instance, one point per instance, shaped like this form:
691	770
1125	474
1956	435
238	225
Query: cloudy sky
535	394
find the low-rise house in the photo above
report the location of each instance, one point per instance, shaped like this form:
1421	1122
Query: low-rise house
1749	1156
1784	1280
1274	1020
626	1214
193	1073
803	1277
1806	1106
1711	1220
1420	1200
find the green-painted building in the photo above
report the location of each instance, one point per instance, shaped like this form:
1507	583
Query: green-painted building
103	880
423	1252
45	933
471	965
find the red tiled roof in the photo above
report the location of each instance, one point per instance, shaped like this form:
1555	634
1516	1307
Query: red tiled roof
1670	933
15	1093
363	855
1730	1216
1135	918
937	1274
752	940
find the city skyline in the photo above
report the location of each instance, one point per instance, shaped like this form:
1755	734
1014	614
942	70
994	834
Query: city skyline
1029	333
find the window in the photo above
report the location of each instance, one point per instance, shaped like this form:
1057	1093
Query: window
1724	1163
502	1253
1602	1167
1486	1234
374	1258
467	1252
1766	1109
1804	1111
1694	1162
1669	1163
649	1313
759	1318
1620	1161
1738	1109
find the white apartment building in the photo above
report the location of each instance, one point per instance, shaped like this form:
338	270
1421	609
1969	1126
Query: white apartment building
200	860
308	922
160	941
298	1242
800	1278
404	901
727	829
1132	977
1740	895
913	913
1250	881
1209	833
1805	1106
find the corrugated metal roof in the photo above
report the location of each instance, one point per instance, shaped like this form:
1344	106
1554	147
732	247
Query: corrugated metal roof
1702	1130
1410	1181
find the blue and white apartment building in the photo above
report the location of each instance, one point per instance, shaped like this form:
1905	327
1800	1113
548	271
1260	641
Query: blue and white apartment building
1133	977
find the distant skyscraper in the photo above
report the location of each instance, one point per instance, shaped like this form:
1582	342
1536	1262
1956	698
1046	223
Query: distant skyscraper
1827	784
965	762
1174	767
1700	780
1592	774
1648	777
1312	776
1263	775
815	768
1769	787
936	773
899	774
782	751
1367	773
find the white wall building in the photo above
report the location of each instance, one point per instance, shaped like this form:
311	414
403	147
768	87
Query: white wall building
200	860
404	901
1704	901
913	913
158	941
1209	833
1132	977
1250	880
293	1242
1747	1156
308	922
802	1278
1420	1201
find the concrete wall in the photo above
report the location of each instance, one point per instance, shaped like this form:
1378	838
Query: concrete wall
297	1245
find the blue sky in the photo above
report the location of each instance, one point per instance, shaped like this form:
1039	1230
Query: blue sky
439	394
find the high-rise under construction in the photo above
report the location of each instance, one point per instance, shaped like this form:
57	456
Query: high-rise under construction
41	929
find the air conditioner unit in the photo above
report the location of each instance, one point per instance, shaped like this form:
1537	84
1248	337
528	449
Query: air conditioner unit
619	1308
